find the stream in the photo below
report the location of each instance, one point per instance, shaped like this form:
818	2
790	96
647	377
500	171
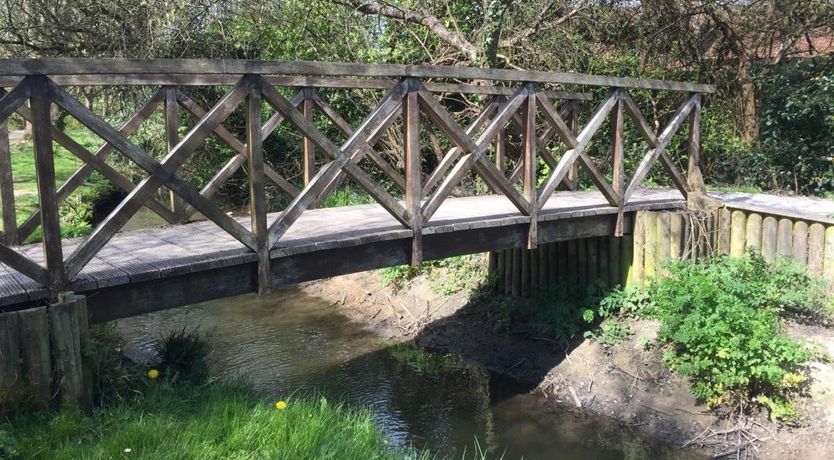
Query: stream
290	342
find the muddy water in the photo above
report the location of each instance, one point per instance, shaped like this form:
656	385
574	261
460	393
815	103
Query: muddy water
292	342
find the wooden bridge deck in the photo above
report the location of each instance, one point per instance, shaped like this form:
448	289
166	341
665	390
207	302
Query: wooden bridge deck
162	253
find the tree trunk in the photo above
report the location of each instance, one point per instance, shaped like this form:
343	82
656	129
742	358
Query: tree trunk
747	98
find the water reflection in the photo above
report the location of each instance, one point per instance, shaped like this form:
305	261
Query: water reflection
291	342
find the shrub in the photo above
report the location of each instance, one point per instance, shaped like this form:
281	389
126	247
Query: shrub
562	311
183	356
722	321
8	446
112	372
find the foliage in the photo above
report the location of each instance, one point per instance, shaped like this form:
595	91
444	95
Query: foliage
112	373
722	322
561	311
183	356
797	134
346	196
447	276
8	446
212	421
81	209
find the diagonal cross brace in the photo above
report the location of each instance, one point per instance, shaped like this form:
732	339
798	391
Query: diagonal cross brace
341	159
662	142
474	151
581	142
160	173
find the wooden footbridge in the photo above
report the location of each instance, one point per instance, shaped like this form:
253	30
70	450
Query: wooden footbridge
532	197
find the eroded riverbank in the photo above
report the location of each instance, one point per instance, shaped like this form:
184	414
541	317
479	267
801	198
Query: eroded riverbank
628	383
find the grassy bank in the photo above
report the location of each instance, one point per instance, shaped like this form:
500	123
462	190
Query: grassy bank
74	212
173	410
211	421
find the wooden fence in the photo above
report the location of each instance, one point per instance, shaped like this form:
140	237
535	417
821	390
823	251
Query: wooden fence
412	94
659	237
43	356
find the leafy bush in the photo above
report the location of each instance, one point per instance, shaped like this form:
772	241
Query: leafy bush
722	322
112	373
183	356
562	311
797	128
8	446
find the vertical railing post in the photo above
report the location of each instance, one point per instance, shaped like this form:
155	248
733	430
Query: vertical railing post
413	190
695	178
530	162
45	173
500	144
573	171
618	159
308	149
172	138
257	191
7	201
501	149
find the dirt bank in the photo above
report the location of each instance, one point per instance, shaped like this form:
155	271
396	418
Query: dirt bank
628	382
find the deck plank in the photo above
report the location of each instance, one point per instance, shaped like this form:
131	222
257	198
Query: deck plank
149	254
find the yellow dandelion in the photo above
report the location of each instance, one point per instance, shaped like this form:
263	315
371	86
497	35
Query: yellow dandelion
153	373
281	405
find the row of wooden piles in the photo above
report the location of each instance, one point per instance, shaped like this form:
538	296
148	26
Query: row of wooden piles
662	236
42	356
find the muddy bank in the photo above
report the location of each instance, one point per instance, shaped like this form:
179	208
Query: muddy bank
628	382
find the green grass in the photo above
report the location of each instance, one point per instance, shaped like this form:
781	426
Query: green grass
25	178
213	421
447	276
346	196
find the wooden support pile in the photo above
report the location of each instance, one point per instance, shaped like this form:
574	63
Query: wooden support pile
42	356
519	271
807	239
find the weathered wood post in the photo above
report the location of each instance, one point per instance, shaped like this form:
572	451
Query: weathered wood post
308	148
7	200
573	171
36	356
530	139
618	160
413	189
43	355
45	172
257	191
695	178
172	138
10	368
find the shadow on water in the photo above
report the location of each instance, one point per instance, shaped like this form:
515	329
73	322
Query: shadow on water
290	342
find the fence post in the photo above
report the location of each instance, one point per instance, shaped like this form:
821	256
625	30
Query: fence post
413	190
7	201
45	172
573	172
694	176
172	138
618	161
257	191
308	148
530	162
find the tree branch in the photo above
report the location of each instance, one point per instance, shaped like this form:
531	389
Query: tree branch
423	18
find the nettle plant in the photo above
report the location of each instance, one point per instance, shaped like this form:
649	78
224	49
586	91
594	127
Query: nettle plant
722	321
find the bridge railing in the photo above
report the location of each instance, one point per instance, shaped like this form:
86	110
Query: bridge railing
514	97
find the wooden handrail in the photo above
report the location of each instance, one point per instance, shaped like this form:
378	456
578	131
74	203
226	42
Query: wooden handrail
409	102
195	70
